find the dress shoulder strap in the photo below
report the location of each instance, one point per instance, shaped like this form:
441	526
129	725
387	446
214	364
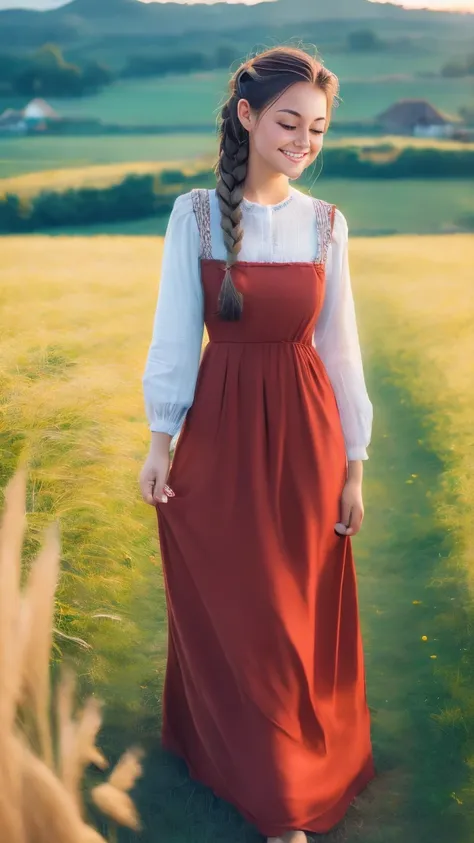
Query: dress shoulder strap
202	210
325	213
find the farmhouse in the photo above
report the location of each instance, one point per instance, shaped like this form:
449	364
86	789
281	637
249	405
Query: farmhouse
37	114
35	117
417	117
12	122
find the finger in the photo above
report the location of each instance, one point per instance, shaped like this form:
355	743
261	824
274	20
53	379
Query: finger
357	516
157	496
346	511
168	491
148	497
345	526
146	491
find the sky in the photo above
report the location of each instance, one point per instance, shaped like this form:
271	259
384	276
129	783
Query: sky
459	5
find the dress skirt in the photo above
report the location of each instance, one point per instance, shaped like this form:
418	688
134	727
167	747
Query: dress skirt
265	695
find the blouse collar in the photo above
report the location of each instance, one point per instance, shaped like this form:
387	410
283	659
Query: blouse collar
256	207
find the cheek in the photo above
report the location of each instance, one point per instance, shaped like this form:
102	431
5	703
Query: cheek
270	139
316	145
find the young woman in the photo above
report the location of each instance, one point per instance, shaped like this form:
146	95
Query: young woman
265	689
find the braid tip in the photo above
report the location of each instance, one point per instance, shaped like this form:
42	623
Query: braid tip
230	300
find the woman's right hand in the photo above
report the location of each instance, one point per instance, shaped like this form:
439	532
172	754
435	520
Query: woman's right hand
154	473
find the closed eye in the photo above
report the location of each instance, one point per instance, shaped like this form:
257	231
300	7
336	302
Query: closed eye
292	128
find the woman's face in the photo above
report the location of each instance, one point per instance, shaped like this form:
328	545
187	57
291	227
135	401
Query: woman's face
288	136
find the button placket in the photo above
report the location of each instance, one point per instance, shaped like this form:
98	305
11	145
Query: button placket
271	233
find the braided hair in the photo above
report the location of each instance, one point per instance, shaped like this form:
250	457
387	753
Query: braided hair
261	81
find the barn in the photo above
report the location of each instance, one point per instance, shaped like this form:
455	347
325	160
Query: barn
417	117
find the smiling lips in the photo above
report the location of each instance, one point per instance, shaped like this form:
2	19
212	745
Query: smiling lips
294	156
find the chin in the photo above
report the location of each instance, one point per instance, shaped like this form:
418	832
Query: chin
290	171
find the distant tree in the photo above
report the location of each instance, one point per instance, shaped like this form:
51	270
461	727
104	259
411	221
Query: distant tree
454	70
9	66
225	55
467	114
48	74
96	76
470	64
364	40
185	62
50	57
458	68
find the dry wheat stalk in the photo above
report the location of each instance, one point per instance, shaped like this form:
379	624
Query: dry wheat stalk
39	803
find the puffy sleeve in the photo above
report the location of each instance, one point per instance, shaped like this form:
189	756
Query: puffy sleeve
337	343
172	365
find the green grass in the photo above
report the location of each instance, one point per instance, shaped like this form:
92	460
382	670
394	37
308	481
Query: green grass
28	155
170	101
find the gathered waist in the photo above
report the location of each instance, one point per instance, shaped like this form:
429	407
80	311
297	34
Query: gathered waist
262	342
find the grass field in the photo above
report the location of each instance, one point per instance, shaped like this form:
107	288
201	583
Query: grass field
75	323
30	155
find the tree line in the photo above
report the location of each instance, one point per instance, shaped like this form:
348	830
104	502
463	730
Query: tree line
459	68
139	197
47	73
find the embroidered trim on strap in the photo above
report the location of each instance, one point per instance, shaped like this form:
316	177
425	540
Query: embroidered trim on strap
202	210
325	220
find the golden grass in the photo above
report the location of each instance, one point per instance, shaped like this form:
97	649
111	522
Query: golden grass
41	799
74	338
399	141
99	175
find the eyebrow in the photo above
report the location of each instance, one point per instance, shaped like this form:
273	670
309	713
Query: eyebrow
297	114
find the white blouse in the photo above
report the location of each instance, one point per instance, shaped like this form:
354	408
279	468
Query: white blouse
281	233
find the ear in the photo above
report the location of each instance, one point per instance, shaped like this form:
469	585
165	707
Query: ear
244	113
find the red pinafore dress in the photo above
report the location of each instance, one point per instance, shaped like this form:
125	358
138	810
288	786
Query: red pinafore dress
265	695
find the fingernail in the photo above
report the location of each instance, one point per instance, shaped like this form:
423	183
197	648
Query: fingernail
164	499
169	491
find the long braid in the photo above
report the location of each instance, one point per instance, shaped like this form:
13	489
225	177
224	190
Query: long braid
231	172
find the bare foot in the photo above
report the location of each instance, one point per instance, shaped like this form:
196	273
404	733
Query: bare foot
290	837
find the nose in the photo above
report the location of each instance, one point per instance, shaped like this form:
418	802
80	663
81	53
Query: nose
303	141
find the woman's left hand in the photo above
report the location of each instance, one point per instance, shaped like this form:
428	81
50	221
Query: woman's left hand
352	509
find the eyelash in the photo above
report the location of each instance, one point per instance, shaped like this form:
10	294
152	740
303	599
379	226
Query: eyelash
314	131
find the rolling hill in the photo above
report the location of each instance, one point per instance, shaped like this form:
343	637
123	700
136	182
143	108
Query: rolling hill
88	18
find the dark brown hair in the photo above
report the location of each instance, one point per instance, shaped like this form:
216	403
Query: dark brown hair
261	80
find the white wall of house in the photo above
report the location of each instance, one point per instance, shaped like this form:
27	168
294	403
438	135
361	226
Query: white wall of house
445	131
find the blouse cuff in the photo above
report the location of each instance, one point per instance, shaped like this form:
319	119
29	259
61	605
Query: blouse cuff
166	418
357	453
